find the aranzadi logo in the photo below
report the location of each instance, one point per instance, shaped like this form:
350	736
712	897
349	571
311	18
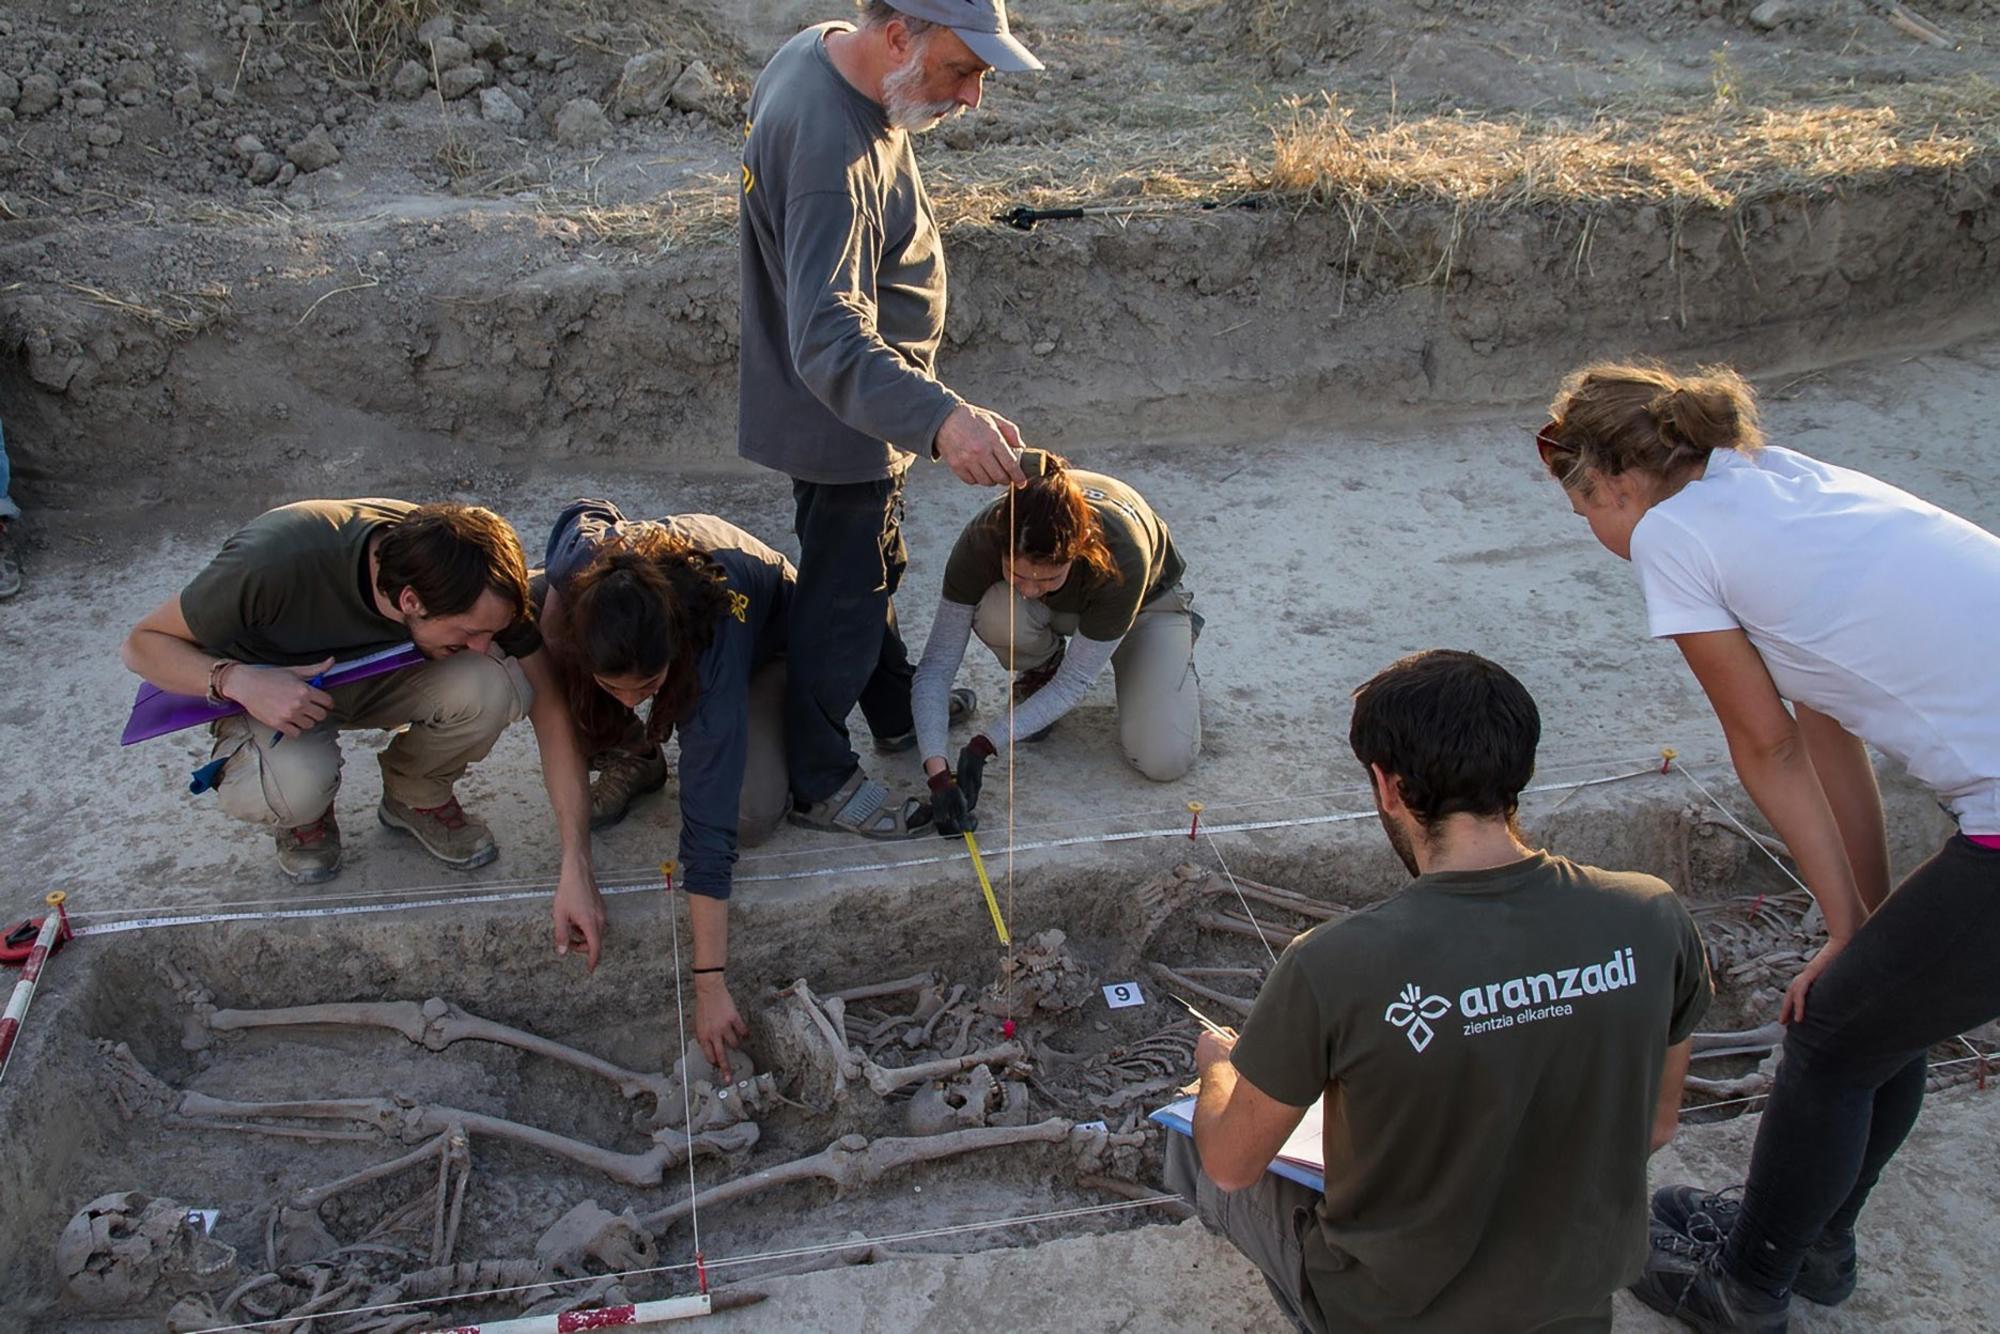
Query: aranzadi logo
1518	1000
1412	1011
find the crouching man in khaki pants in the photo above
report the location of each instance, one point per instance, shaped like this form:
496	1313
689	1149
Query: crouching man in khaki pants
324	580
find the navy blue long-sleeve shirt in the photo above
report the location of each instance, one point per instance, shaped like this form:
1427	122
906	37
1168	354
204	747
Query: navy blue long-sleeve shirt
714	742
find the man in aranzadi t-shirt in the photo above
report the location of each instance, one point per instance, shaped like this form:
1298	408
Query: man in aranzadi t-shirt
1500	1045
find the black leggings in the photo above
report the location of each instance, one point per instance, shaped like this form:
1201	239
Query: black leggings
1920	972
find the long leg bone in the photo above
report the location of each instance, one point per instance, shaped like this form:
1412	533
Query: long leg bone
1747	1042
1215	921
1183	983
887	1079
406	1121
916	982
436	1024
853	1161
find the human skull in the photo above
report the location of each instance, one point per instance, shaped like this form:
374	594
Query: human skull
121	1247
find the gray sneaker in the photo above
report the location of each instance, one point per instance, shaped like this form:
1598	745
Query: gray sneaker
460	841
310	854
10	560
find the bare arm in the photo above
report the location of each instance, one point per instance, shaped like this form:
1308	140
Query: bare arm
1673	1079
162	649
1841	762
578	908
717	1024
1771	759
1238	1128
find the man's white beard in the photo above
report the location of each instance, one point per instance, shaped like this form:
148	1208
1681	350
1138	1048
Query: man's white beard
900	93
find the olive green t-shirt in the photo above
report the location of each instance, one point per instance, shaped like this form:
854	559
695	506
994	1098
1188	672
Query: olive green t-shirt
1489	1045
292	587
1145	555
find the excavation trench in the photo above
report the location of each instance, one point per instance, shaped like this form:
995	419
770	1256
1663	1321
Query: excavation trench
166	1062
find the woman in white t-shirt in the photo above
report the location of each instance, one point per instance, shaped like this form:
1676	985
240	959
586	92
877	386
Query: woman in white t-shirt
1876	615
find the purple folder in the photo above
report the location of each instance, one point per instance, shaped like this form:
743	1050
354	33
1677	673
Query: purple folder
156	712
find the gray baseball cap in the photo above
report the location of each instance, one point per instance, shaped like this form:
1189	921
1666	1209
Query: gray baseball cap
981	25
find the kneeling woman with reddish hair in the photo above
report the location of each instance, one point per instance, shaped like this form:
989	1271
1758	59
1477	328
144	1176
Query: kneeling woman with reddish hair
1070	572
690	614
1877	616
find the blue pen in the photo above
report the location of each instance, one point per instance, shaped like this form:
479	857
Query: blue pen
317	683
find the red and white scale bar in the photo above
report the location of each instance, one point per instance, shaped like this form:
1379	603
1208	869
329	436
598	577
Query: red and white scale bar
24	990
610	1317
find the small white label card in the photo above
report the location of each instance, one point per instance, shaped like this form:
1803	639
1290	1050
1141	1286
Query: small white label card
1120	995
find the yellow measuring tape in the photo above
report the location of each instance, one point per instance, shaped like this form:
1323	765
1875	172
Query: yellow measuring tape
986	887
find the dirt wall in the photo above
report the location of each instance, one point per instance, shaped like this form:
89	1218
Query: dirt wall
409	353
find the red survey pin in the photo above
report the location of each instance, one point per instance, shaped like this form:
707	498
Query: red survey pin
1007	1028
1194	821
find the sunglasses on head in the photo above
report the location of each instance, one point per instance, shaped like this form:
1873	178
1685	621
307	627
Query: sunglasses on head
1552	449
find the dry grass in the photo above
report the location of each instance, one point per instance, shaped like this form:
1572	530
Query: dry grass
1719	155
692	217
175	314
363	40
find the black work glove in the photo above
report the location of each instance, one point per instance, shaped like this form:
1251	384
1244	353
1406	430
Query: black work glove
951	809
972	767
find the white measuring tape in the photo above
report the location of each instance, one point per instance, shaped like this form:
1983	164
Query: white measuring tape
527	895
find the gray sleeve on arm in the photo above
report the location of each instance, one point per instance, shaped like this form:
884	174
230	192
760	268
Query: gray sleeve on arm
1081	665
830	260
930	692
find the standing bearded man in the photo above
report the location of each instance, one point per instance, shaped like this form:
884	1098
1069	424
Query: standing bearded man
843	311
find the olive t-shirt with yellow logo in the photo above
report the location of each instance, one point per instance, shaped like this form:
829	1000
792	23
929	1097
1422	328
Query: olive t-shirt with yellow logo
1147	563
1489	1045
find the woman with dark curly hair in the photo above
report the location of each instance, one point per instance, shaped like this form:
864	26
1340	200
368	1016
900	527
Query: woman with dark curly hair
686	618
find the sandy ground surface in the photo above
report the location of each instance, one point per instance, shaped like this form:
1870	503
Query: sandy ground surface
1315	560
1182	1278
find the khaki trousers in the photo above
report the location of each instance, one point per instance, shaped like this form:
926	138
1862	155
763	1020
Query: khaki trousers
767	787
450	712
1159	695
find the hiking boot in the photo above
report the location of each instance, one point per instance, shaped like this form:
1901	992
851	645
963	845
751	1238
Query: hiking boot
1028	682
964	704
460	841
10	561
1684	1280
623	776
310	854
1827	1275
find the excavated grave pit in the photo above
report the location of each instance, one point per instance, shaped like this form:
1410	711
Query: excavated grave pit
118	1011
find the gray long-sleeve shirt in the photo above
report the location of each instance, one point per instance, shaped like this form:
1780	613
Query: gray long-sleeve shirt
843	280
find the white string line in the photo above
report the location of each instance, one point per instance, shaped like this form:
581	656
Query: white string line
1217	850
790	1253
1756	840
1082	840
680	1018
630	877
